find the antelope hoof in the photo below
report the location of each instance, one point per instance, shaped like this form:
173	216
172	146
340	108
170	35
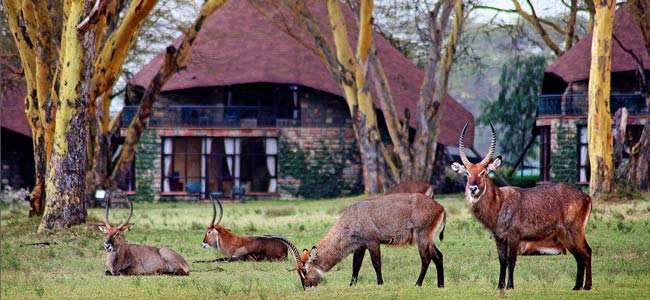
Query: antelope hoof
577	288
107	273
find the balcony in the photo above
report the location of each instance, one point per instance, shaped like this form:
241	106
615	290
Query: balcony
211	116
578	104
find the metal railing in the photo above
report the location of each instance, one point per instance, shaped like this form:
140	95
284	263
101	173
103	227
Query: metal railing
210	116
578	104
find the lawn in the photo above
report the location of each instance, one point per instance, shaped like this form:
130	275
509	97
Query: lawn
72	266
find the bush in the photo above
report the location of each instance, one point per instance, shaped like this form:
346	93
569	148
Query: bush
15	198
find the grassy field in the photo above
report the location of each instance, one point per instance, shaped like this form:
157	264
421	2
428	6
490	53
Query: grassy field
72	267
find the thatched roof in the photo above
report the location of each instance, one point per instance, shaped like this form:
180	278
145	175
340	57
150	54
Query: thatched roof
12	95
574	64
239	45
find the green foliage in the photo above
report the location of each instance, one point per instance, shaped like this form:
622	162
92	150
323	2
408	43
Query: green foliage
514	110
563	159
525	181
319	173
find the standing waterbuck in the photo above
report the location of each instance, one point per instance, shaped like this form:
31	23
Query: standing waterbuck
396	220
236	247
132	259
555	212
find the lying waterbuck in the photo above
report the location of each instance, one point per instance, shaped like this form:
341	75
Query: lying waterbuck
132	259
550	212
236	247
411	186
396	220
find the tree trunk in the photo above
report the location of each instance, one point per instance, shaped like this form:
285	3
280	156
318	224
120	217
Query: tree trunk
173	60
639	172
599	118
65	183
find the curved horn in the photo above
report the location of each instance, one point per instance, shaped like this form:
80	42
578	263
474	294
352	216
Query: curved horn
108	224
493	145
214	212
461	146
290	245
130	214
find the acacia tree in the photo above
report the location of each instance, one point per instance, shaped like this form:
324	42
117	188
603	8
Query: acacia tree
547	28
599	117
63	92
639	172
515	108
354	71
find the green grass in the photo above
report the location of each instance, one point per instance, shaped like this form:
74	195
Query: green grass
72	267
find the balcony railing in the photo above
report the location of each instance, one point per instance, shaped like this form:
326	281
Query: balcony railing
210	116
578	104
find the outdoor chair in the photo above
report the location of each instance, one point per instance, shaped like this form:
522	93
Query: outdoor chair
194	189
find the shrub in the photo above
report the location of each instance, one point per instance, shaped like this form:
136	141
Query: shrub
15	198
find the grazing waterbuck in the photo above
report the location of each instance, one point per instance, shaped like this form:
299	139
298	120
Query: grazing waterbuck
557	212
132	259
236	247
397	219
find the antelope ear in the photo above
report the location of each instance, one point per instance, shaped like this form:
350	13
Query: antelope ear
494	164
127	227
304	251
102	228
314	253
458	168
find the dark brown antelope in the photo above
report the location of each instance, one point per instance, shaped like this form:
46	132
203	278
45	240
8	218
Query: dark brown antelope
235	247
396	220
411	186
132	259
512	215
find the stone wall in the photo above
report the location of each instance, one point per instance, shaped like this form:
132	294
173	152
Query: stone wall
326	159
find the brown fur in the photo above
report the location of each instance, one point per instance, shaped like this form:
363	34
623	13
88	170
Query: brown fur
397	219
236	247
411	186
512	215
132	259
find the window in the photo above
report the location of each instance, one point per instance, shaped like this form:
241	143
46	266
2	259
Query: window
545	153
219	164
584	170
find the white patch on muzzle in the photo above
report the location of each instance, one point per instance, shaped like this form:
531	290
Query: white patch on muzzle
473	199
205	245
108	247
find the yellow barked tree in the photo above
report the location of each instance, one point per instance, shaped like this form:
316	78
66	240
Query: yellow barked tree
68	85
599	117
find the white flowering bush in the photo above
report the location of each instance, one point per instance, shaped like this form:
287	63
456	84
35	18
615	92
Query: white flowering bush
15	198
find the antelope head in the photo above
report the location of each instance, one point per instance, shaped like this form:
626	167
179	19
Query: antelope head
310	275
115	235
211	238
477	174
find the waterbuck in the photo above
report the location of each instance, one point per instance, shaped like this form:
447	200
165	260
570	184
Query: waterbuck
512	215
235	247
132	259
411	186
396	220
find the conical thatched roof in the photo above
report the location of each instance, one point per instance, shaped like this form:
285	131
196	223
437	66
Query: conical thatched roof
239	45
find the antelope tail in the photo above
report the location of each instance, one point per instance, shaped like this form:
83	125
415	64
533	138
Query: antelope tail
444	223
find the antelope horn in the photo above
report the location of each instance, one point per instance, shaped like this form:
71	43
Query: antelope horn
461	146
130	213
290	245
214	212
108	224
493	145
